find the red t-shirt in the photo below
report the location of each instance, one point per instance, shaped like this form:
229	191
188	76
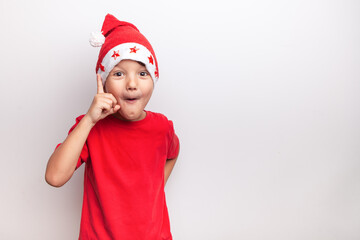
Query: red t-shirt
124	194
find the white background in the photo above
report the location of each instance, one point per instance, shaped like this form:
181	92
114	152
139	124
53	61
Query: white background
264	95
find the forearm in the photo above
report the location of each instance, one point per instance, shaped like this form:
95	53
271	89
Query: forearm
62	162
169	165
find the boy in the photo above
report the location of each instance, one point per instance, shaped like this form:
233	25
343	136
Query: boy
129	152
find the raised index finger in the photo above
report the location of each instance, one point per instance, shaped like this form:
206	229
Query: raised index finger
100	87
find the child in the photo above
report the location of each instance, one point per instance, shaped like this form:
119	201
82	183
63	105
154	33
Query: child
129	152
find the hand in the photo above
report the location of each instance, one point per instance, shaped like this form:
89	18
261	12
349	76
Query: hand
103	104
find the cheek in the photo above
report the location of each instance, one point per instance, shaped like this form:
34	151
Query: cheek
114	89
148	92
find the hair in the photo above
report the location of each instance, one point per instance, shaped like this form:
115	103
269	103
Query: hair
141	63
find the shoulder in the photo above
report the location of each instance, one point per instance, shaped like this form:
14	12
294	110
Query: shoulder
78	119
157	116
160	120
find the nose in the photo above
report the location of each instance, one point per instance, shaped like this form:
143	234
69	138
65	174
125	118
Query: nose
131	83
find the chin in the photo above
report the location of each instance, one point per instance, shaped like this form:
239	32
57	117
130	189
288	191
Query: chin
130	116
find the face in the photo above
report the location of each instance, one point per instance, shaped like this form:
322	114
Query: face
132	86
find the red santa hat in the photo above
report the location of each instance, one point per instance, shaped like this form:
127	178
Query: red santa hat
122	40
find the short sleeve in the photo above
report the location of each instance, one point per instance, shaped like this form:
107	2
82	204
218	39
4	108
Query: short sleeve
174	143
84	155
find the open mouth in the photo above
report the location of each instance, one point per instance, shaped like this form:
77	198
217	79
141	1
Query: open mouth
131	100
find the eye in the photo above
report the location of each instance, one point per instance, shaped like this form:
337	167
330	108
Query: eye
144	73
119	74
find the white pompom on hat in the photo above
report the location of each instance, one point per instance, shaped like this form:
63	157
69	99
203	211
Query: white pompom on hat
97	39
119	41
